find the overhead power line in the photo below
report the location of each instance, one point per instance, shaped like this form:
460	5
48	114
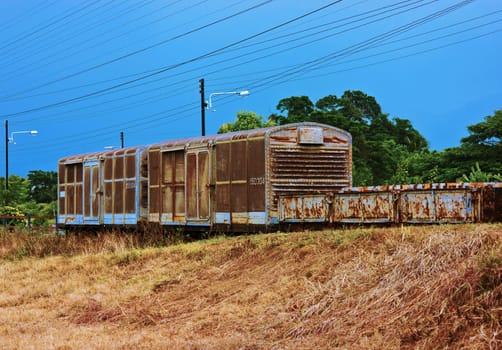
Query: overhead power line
136	52
63	55
173	66
358	47
367	15
48	25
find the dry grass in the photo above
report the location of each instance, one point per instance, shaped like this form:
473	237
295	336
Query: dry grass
412	287
23	243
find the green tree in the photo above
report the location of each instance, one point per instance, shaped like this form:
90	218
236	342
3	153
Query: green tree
18	192
38	209
405	134
43	185
11	211
482	148
245	121
358	106
487	132
418	167
298	109
477	175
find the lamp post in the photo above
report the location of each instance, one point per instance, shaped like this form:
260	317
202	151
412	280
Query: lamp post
11	140
209	104
240	93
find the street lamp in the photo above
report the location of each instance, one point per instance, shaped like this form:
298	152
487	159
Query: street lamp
240	93
31	132
11	140
209	104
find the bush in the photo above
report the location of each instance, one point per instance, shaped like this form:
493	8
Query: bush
7	212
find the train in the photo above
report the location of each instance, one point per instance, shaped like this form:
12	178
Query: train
290	175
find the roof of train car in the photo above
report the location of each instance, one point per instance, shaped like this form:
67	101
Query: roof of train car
244	134
98	154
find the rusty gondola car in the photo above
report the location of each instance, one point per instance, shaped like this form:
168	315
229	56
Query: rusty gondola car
419	204
243	180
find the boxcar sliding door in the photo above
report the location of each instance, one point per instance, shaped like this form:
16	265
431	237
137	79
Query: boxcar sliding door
92	193
197	187
173	187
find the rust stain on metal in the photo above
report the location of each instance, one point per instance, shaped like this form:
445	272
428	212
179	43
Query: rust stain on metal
307	208
421	203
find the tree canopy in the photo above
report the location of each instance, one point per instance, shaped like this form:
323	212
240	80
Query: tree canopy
35	195
245	121
43	185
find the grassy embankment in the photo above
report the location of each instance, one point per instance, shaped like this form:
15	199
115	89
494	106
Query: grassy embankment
412	287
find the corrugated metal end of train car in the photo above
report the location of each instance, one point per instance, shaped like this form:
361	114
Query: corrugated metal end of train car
101	188
420	203
306	166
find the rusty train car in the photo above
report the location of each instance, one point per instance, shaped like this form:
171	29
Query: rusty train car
420	204
234	181
252	180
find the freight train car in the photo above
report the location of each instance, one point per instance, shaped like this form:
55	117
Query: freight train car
419	204
242	180
101	188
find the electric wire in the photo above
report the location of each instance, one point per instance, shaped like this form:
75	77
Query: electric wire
149	47
318	62
219	62
31	12
31	50
21	97
167	68
256	90
48	25
56	57
161	95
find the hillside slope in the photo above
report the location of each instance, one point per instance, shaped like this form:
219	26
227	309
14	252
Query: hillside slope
411	287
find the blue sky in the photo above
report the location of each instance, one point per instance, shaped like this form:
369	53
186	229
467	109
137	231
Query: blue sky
81	72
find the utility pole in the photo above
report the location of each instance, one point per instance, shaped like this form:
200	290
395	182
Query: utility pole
6	154
202	107
122	139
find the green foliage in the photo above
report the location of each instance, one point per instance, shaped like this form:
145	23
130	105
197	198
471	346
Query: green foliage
39	209
245	121
477	175
481	149
43	185
488	132
35	196
12	212
298	109
18	192
418	167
